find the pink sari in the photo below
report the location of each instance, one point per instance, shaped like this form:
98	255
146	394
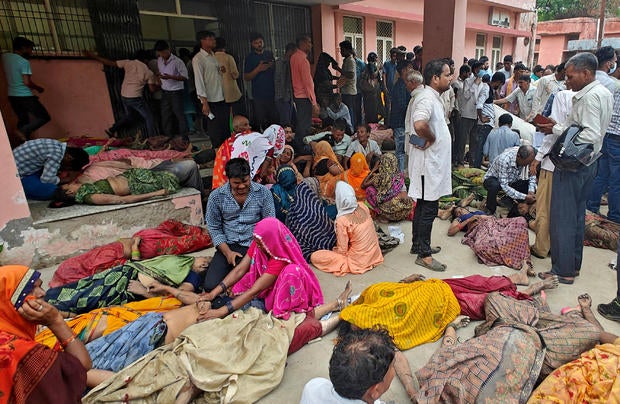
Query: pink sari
296	288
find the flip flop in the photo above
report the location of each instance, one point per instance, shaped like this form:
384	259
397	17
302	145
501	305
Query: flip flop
433	266
562	279
434	250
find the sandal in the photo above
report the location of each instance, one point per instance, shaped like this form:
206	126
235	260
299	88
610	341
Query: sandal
433	266
434	250
562	279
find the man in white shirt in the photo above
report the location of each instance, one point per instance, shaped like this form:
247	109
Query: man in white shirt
458	146
562	105
430	165
363	144
546	86
348	80
524	95
469	115
608	174
361	369
210	89
172	75
592	108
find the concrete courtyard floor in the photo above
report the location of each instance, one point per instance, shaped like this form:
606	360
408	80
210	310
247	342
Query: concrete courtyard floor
596	278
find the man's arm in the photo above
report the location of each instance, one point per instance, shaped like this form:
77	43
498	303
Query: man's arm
508	99
51	167
27	78
421	115
181	72
405	375
214	219
201	89
100	59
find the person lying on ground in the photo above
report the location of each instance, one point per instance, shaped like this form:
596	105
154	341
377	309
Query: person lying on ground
426	307
134	185
127	282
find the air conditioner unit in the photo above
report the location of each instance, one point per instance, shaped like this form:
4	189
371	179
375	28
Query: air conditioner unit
499	18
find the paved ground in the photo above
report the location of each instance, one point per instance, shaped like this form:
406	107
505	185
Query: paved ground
312	360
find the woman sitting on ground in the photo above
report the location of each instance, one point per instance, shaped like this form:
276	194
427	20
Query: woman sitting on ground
357	247
386	192
260	149
308	219
356	174
126	283
288	158
326	169
134	185
31	372
284	191
425	307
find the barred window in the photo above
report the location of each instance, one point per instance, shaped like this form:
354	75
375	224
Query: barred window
353	28
496	50
481	44
57	27
385	39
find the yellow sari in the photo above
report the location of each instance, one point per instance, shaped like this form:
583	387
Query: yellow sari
117	317
413	313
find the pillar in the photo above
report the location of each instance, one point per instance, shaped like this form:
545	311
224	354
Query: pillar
444	29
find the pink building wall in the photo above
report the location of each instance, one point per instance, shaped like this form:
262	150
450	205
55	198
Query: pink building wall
554	35
12	198
76	97
407	16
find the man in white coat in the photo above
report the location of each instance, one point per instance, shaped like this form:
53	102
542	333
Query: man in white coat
430	163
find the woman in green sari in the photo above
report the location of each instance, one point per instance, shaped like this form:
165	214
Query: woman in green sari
127	283
134	185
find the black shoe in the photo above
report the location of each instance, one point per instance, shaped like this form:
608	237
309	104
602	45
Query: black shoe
610	311
434	250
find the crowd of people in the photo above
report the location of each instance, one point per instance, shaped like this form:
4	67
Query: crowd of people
323	158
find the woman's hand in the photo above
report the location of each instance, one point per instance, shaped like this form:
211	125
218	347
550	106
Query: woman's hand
210	313
39	311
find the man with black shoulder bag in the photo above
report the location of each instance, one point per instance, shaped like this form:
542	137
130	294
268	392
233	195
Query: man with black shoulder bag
580	140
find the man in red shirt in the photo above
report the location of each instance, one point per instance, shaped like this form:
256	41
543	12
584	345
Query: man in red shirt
303	87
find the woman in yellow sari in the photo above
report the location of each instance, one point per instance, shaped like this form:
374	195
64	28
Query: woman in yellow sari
356	174
326	169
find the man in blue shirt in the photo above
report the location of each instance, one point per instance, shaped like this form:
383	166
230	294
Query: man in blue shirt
400	97
390	75
501	138
259	69
232	211
20	86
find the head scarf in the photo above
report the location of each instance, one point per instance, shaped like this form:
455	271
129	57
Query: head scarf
16	283
346	202
279	244
323	150
284	190
388	180
356	174
254	147
17	333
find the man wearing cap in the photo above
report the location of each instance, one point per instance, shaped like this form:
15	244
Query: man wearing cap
20	86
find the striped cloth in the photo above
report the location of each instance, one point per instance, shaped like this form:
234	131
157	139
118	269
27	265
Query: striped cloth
307	219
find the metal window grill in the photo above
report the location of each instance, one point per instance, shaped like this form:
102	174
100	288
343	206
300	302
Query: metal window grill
352	25
385	32
385	29
57	27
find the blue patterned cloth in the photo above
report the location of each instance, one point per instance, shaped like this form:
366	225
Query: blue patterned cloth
124	346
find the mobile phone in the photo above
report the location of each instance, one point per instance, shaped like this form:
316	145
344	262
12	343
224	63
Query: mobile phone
211	116
416	140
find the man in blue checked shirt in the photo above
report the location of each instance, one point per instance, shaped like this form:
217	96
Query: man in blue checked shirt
510	173
232	211
39	162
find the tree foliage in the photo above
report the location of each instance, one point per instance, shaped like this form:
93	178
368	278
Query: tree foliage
561	9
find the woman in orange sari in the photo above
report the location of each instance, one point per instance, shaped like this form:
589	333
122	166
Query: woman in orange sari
326	169
356	174
29	371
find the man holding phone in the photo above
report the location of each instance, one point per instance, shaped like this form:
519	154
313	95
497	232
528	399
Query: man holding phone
430	164
259	69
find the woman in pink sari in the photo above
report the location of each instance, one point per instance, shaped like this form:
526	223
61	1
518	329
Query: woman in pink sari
273	270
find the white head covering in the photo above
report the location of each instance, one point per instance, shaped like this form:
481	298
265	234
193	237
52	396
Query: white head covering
255	146
346	202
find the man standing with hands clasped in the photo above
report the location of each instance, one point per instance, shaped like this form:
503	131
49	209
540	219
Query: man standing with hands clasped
430	164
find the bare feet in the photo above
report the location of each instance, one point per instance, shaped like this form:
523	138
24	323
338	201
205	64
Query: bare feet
413	278
521	278
585	301
445	214
550	283
460	322
343	298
